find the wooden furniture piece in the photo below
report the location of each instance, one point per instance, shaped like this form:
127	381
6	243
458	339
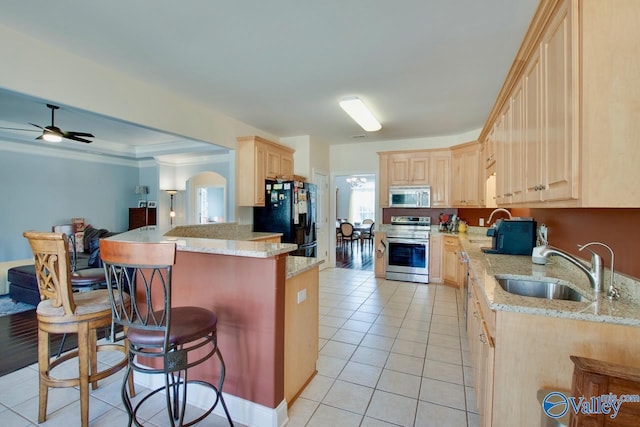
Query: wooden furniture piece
140	217
260	159
162	338
563	125
63	312
596	378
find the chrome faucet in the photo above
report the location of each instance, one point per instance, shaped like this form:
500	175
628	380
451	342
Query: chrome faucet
613	292
499	210
595	273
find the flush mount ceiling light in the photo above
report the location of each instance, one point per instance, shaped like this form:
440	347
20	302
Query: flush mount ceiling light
360	113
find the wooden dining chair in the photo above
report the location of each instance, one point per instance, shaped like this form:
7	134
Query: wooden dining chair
348	233
61	311
368	234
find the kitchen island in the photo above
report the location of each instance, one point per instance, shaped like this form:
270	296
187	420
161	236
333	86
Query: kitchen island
245	282
520	345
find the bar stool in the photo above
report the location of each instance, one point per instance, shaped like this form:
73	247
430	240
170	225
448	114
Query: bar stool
62	311
162	339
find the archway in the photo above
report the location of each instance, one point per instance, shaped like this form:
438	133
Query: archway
206	198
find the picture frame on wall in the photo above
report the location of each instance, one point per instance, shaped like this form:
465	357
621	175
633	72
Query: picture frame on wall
142	204
152	204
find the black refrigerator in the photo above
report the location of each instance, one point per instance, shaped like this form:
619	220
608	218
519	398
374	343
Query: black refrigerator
290	209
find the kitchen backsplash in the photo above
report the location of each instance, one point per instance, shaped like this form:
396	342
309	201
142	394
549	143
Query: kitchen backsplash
568	227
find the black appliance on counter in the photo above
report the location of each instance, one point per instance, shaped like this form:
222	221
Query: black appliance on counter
290	209
512	236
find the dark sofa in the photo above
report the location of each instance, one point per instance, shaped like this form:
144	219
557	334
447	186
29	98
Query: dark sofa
23	285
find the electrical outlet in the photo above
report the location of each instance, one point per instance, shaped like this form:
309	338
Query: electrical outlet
302	295
481	222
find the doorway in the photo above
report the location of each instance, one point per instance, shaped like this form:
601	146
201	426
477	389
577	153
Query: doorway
355	204
206	198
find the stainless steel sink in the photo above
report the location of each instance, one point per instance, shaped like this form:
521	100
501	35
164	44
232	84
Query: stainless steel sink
539	289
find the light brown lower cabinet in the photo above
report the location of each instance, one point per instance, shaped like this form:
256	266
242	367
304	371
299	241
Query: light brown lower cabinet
300	332
436	258
482	349
515	354
452	261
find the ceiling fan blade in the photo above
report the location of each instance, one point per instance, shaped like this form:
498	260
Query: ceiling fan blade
28	130
33	124
78	134
77	138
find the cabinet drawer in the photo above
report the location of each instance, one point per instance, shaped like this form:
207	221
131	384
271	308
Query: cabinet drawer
451	241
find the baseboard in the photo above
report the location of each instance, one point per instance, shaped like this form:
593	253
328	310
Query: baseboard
241	410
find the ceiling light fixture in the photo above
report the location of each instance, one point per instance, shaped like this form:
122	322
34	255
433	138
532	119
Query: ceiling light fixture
49	136
356	181
360	113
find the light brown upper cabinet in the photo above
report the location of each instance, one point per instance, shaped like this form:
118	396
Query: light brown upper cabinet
409	169
467	178
259	159
565	122
416	167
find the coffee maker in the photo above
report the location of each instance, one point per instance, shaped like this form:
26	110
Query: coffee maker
515	236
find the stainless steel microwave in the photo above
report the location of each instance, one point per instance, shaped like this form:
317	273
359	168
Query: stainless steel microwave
410	197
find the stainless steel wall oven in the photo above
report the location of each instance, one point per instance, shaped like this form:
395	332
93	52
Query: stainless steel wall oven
408	249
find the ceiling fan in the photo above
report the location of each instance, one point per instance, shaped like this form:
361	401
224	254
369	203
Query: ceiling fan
53	133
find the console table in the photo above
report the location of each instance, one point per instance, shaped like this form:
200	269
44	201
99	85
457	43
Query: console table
140	217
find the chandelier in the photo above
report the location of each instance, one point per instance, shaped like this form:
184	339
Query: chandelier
356	181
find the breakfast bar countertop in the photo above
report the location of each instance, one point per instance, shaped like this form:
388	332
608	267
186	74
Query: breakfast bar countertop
242	245
220	246
596	309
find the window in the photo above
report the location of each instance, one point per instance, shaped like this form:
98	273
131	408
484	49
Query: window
362	204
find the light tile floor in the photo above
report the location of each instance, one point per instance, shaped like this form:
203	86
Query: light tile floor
391	354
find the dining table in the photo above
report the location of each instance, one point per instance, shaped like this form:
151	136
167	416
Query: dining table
362	229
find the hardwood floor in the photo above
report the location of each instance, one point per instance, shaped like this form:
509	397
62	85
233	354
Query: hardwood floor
19	341
355	257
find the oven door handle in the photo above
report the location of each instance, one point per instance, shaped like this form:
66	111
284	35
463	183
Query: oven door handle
408	241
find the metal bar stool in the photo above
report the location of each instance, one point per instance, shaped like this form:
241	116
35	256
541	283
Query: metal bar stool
162	339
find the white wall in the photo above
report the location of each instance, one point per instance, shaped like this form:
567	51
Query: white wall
75	81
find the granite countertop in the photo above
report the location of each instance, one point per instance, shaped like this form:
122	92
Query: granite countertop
300	264
597	308
220	246
223	230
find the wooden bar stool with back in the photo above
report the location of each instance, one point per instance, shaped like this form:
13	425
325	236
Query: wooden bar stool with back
162	339
61	311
